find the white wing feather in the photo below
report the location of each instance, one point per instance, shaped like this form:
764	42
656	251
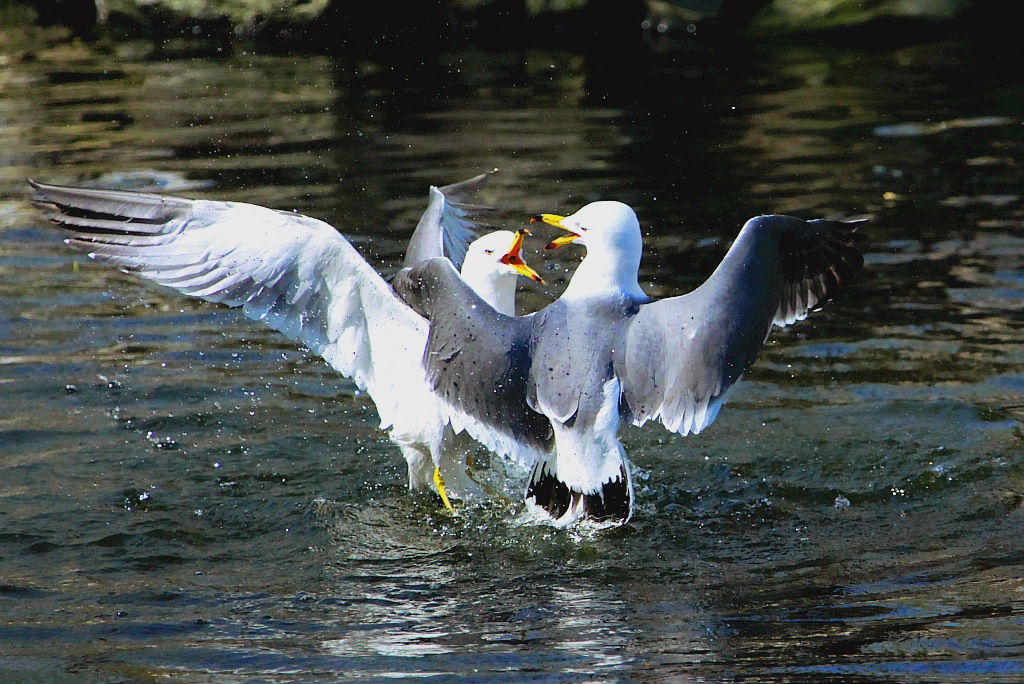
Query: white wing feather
297	274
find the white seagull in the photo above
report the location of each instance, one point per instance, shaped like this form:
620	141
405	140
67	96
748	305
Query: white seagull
303	278
551	389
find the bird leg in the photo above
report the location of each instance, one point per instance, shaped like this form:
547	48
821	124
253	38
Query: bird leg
439	484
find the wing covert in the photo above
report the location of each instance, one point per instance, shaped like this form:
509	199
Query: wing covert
477	360
681	355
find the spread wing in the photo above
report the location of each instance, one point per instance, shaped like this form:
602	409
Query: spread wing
477	360
297	274
447	226
683	354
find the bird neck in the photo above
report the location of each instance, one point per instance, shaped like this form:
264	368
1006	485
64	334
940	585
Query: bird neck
602	273
498	290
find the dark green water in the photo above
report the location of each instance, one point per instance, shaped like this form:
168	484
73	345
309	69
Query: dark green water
185	494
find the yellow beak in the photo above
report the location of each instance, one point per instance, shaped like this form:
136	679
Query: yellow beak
514	258
556	221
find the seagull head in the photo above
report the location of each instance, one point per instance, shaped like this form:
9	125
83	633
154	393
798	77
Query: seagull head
492	264
502	253
611	233
605	225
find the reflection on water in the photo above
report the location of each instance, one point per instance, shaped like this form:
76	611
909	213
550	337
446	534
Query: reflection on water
186	494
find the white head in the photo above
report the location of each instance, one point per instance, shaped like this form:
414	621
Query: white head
492	264
611	233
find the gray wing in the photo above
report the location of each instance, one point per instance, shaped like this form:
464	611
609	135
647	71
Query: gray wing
297	274
682	354
447	226
477	360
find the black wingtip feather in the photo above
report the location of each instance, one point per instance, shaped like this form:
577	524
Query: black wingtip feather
823	251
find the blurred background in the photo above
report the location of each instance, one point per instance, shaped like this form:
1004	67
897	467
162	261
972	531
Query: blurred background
185	494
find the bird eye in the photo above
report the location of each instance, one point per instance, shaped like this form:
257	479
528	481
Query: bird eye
488	251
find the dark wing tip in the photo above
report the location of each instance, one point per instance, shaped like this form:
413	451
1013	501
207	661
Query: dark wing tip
812	246
819	258
457	192
42	192
847	231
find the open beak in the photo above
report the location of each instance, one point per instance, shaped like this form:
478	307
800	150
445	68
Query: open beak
514	258
556	221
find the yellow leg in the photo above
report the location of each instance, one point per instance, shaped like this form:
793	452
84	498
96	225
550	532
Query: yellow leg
439	484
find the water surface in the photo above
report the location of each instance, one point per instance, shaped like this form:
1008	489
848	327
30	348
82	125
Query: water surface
187	494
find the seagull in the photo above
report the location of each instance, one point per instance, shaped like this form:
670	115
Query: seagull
552	388
303	278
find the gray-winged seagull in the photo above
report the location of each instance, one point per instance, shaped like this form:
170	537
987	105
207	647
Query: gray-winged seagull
551	389
303	278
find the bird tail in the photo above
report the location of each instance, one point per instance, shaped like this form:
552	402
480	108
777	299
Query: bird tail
611	504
